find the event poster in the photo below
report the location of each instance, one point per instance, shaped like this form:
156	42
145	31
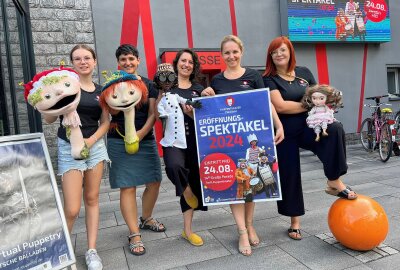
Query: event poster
33	231
338	20
237	155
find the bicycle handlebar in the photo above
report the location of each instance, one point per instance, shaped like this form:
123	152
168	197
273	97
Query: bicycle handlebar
376	97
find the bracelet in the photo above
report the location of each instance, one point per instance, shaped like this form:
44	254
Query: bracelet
95	138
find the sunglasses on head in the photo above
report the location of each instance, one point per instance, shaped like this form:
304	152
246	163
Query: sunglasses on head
166	77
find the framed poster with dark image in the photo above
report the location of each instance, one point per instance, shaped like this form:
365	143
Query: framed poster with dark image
33	229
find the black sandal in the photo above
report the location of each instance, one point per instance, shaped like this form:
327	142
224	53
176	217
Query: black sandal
136	244
345	193
155	226
297	232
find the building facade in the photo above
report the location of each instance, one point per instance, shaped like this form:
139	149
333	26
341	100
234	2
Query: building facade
155	26
37	34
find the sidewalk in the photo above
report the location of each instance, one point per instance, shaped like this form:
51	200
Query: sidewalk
367	175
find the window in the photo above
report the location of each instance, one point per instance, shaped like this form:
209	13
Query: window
393	78
16	65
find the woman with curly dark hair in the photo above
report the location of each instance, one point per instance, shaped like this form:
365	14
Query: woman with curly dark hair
181	164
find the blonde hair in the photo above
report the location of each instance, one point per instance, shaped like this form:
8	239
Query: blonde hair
232	38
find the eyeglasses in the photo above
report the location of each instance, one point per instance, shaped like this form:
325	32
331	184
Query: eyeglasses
278	51
84	59
164	77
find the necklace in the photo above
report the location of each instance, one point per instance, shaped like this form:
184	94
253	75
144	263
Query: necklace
289	74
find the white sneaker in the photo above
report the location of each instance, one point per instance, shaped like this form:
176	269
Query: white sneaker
93	260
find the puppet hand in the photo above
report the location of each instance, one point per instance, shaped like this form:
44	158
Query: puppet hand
195	104
85	152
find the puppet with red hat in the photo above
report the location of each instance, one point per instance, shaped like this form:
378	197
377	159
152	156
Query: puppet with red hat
56	92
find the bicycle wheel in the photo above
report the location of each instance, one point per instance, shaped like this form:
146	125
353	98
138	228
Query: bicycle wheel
385	143
368	135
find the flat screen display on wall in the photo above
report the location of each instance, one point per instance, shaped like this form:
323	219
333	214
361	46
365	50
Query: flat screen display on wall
337	20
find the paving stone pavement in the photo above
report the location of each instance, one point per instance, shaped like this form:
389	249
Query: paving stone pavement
317	250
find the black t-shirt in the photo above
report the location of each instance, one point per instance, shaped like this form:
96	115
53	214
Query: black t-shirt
251	79
89	112
291	90
141	115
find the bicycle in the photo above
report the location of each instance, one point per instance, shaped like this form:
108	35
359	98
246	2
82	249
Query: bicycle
377	131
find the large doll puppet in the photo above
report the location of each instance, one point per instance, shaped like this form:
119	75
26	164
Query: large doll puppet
57	92
321	101
122	92
169	107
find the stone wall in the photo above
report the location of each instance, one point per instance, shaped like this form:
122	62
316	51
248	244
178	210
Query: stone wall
57	26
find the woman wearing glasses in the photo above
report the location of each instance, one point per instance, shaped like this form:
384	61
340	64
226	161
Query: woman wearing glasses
181	164
287	83
84	175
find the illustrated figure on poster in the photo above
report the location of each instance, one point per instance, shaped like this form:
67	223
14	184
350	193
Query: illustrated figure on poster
265	174
342	25
253	151
359	26
322	100
171	114
56	92
350	11
243	174
122	92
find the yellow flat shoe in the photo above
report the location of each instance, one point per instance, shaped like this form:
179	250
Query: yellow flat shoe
192	202
193	239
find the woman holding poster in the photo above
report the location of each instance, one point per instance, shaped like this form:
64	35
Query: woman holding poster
181	162
287	84
237	78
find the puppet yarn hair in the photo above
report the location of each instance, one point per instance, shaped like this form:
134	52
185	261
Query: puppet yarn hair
57	92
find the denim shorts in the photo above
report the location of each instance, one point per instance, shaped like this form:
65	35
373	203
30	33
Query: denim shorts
98	153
